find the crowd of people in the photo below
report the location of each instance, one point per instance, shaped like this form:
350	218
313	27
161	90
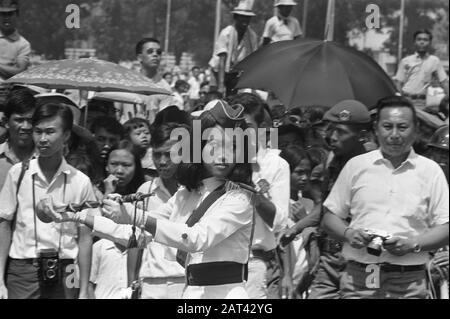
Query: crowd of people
342	201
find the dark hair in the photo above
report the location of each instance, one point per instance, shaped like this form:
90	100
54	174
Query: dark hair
426	31
133	124
443	106
191	174
171	114
396	101
138	177
111	125
19	101
195	67
166	74
49	110
315	113
291	128
142	42
294	154
180	83
253	105
161	133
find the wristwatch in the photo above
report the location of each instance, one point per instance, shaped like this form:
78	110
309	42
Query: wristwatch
417	248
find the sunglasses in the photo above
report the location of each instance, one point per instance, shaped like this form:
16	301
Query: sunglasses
151	51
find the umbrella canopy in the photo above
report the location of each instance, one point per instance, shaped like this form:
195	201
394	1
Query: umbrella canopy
306	72
122	97
87	74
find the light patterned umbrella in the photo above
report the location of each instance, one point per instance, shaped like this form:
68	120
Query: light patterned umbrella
87	74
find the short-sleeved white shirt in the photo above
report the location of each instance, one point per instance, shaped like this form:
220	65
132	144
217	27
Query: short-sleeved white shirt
77	190
416	72
281	29
406	201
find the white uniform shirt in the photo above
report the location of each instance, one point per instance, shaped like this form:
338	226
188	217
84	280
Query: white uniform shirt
222	234
275	170
227	42
109	270
416	73
406	201
78	189
281	29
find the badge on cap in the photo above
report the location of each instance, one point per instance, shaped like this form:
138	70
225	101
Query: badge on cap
344	116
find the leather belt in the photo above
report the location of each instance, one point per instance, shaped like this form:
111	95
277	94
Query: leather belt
416	96
216	273
390	267
265	255
35	261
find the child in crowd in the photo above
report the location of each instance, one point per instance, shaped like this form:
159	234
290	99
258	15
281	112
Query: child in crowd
137	130
294	259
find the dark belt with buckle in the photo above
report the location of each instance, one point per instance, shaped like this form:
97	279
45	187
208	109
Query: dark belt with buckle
329	245
216	273
266	255
416	96
390	267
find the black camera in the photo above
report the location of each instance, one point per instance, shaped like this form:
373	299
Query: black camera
49	266
378	237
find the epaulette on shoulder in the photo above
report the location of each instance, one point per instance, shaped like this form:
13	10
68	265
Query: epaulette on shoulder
241	187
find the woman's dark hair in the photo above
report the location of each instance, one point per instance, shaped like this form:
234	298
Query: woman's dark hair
253	105
19	101
138	177
294	154
109	124
49	110
191	174
170	114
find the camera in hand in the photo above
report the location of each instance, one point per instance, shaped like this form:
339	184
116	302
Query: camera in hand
378	237
49	271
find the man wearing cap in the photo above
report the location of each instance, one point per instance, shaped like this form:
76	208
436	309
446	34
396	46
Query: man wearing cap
282	26
14	49
348	137
416	71
234	43
398	204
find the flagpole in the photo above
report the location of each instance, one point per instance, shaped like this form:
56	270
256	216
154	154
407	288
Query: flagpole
217	25
329	24
166	40
305	16
401	31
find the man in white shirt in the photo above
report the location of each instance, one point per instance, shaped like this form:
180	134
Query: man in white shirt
282	26
398	204
415	72
26	239
271	175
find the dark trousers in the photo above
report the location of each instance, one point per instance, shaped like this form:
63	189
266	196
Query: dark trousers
326	284
22	282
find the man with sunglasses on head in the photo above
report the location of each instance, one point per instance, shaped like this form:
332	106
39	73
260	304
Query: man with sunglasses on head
14	49
148	53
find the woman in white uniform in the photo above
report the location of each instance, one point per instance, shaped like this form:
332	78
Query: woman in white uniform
211	217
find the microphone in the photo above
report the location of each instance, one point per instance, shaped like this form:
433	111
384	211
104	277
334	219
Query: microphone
135	197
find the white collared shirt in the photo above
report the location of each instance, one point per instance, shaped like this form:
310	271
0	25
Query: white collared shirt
406	201
282	29
109	270
222	234
416	72
52	235
275	170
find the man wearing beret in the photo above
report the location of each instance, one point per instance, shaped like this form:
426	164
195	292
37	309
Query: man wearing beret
14	49
397	201
348	136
